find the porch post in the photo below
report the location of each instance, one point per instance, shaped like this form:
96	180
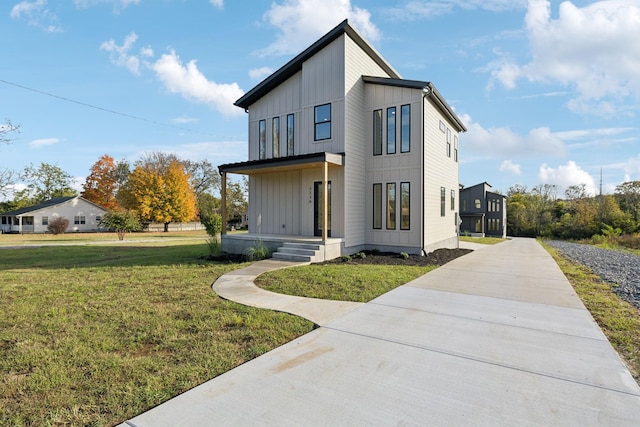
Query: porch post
325	201
223	201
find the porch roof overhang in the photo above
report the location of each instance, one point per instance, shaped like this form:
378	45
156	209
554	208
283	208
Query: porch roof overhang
303	161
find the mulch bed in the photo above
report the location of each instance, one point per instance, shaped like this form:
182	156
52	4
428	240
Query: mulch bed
437	257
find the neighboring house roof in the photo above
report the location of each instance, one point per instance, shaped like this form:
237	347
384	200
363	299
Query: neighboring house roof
428	89
485	183
258	166
46	204
295	65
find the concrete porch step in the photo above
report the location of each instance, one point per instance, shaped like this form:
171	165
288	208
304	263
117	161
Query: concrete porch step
301	252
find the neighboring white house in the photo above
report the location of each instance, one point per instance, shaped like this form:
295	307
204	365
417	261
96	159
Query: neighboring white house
344	152
82	214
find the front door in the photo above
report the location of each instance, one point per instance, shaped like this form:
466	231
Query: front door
318	202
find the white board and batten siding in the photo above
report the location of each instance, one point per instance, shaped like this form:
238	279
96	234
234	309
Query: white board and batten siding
440	171
395	168
357	147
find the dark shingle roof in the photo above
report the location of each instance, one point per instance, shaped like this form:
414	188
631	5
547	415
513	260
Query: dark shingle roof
43	205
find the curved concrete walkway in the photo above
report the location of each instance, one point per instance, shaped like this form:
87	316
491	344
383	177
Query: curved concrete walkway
238	286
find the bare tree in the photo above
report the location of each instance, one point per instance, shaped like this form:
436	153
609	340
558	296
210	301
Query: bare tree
6	129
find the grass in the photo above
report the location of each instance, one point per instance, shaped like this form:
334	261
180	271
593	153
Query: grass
359	283
482	240
89	238
619	320
96	334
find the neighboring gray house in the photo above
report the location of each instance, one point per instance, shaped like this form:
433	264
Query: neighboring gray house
82	214
483	212
346	154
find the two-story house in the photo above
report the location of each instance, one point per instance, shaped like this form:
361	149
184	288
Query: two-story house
346	154
482	211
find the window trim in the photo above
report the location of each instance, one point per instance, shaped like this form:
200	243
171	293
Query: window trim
262	139
408	207
391	206
291	134
275	136
377	206
317	123
377	132
443	202
392	130
44	220
406	133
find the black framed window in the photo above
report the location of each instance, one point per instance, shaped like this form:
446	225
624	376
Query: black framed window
453	200
455	148
377	132
275	136
443	197
391	206
45	220
322	122
391	130
290	134
262	139
377	206
405	128
448	142
405	206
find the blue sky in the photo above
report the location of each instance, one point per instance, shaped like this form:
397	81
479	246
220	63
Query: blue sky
548	90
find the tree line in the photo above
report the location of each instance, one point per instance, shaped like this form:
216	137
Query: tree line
539	212
158	187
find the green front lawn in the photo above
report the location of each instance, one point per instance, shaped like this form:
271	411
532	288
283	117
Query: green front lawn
94	335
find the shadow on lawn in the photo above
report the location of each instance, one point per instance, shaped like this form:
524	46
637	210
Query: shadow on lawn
86	256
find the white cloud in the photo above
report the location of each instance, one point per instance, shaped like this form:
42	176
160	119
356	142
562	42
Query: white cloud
118	5
120	56
415	10
217	3
189	82
509	166
184	120
37	143
301	22
185	79
630	167
260	73
500	142
566	175
590	48
37	14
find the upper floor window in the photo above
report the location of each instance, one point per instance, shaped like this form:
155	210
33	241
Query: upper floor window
275	136
448	142
377	132
405	128
290	133
443	195
391	130
453	200
322	121
262	139
455	148
477	203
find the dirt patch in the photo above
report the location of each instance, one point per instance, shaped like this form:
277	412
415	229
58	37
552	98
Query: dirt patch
437	257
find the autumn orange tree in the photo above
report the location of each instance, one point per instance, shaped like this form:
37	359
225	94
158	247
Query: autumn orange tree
159	193
101	185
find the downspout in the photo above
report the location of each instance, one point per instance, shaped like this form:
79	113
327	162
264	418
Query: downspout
425	93
223	201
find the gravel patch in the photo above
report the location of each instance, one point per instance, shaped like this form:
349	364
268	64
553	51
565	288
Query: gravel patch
622	269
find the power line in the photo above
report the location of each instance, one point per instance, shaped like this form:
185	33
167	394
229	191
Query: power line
84	104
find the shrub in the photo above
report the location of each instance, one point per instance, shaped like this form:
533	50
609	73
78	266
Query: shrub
121	222
58	225
361	255
258	251
345	258
404	255
213	224
215	248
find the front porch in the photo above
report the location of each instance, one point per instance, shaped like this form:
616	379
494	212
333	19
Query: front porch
239	243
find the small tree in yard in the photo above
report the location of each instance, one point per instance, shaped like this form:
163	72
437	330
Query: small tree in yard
213	224
58	225
121	222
